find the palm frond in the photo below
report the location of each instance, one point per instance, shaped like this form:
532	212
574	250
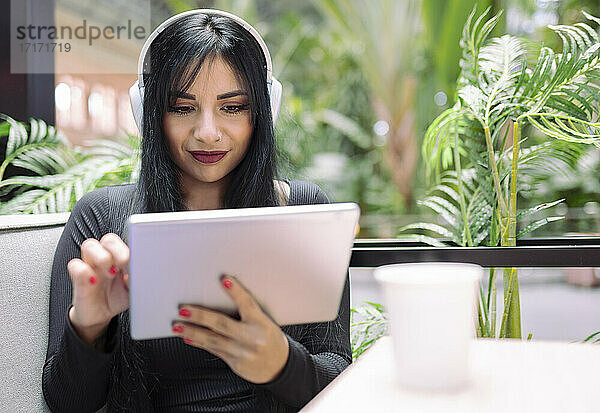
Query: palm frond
473	37
537	224
480	214
530	211
566	106
437	229
474	100
549	158
501	62
567	128
61	191
21	203
64	174
368	323
43	159
443	199
446	209
41	150
438	139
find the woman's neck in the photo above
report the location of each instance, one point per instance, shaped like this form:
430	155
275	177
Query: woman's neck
204	195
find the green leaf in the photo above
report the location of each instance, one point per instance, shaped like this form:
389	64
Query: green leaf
46	182
538	224
475	100
65	174
21	203
422	238
39	151
537	208
368	323
443	207
590	17
429	227
589	338
4	128
63	190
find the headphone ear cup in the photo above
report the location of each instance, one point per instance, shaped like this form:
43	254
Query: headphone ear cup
275	92
136	97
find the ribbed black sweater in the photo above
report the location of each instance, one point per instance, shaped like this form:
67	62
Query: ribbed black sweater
78	378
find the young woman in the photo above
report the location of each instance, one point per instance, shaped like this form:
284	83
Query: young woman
207	143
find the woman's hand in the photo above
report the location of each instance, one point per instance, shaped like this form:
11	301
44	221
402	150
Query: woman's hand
254	347
100	285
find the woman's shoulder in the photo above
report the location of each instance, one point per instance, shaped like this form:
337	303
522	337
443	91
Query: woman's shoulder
102	207
305	192
106	196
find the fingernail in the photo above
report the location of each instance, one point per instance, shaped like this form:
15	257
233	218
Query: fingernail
93	280
113	270
184	312
227	283
187	340
178	328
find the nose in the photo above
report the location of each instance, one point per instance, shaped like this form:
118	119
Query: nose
205	128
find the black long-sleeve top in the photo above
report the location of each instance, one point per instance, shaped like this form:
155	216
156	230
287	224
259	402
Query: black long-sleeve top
78	377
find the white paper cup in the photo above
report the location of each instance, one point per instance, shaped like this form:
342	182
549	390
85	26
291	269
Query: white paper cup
432	310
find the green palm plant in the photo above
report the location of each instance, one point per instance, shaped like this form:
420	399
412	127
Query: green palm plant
61	174
474	152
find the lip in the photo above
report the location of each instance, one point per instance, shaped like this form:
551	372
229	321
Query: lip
208	157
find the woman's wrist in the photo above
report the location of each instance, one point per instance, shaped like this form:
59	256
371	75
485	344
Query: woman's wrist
88	334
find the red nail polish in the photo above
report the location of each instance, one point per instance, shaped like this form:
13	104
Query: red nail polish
184	312
227	283
113	270
177	329
187	340
93	280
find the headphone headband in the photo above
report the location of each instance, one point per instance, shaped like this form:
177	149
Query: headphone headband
214	12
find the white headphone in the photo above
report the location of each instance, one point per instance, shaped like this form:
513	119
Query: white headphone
136	92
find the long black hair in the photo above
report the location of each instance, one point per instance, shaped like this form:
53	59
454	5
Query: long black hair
174	59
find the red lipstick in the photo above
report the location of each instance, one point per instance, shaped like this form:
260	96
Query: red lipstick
208	156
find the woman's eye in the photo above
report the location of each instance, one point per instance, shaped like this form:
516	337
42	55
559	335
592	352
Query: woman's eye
233	109
181	110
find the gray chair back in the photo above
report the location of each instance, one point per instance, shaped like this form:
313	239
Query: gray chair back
27	245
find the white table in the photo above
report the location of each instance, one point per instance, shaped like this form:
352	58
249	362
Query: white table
506	376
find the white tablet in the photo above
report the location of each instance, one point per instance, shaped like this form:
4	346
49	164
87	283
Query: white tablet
293	259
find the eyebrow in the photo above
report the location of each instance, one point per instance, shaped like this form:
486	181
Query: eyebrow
180	94
233	93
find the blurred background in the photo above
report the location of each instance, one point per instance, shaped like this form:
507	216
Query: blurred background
362	80
360	88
